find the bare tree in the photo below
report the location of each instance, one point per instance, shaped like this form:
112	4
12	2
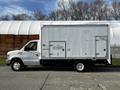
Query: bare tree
98	10
75	10
116	10
38	15
6	17
63	10
21	17
79	10
54	15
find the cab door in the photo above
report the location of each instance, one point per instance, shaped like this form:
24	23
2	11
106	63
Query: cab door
30	55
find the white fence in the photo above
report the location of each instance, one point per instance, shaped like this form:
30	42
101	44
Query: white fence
115	51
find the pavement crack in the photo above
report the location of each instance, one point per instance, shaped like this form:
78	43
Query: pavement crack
41	88
102	87
99	85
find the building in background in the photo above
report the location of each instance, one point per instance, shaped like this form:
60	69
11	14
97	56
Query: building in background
14	34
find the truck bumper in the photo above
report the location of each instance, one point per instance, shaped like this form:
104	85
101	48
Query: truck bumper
7	62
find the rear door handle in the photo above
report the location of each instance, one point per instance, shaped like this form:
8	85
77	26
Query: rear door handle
104	49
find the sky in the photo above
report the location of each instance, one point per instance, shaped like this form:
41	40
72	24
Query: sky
28	6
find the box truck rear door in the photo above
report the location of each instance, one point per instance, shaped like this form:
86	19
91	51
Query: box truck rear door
101	46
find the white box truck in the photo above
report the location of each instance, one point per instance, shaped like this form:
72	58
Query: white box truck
79	46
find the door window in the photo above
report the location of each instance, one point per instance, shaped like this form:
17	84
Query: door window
32	46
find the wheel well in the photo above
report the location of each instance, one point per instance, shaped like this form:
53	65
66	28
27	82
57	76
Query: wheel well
16	59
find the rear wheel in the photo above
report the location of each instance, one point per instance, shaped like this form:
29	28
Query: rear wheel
16	65
79	66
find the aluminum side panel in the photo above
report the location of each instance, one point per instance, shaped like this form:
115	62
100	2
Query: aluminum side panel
80	40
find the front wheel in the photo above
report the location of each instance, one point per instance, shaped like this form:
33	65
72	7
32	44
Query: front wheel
79	66
16	65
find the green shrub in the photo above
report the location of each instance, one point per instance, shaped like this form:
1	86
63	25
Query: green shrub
2	61
116	61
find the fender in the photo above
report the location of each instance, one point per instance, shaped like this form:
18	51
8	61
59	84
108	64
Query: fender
12	57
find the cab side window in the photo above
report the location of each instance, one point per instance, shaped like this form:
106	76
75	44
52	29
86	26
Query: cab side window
31	46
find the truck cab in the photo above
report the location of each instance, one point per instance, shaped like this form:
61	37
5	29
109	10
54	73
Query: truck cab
30	54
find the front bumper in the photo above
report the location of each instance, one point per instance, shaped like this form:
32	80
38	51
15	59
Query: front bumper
7	62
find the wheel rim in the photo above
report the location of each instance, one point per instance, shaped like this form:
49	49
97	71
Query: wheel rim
80	66
16	65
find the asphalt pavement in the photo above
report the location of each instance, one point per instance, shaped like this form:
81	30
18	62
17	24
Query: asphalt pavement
97	78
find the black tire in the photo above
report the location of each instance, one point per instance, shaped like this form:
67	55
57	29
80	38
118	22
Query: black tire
79	66
17	65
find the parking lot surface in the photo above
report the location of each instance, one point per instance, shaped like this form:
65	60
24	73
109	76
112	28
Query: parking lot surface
98	78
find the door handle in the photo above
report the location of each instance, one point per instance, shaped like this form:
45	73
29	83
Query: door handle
37	55
104	49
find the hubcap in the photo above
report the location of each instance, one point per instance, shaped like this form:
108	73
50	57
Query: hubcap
16	65
80	66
